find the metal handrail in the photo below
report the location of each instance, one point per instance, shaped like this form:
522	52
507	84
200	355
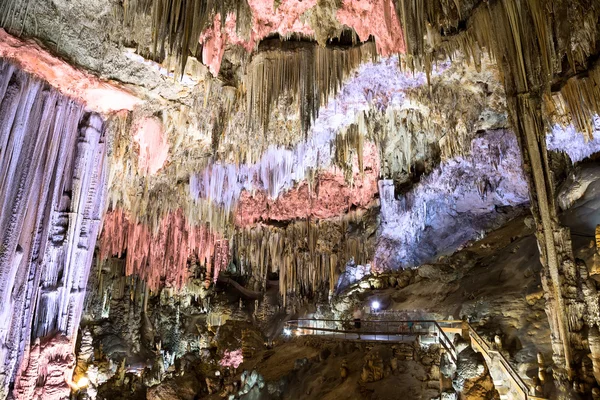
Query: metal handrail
515	377
506	366
442	338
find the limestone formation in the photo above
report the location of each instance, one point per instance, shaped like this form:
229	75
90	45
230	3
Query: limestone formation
196	193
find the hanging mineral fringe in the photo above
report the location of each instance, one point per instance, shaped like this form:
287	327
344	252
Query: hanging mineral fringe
309	74
178	24
160	256
308	255
52	178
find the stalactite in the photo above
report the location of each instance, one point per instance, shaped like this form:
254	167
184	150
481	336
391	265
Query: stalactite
579	99
349	141
413	225
308	255
160	256
51	200
309	74
178	24
530	39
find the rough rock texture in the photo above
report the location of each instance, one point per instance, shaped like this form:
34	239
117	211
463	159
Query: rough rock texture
275	120
308	256
329	195
376	17
52	193
566	139
474	192
32	58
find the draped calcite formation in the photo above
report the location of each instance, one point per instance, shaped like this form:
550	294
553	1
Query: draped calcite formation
308	255
52	183
160	256
477	192
328	195
183	27
539	45
308	74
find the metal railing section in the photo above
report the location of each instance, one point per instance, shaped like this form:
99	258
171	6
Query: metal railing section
429	331
493	355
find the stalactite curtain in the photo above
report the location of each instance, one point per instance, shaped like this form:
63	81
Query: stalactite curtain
52	185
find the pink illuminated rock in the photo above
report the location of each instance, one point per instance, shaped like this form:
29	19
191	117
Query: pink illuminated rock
213	41
46	372
232	358
265	20
160	257
366	17
154	149
284	20
377	18
97	95
331	196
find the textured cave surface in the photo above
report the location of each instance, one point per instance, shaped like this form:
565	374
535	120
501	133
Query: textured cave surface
181	178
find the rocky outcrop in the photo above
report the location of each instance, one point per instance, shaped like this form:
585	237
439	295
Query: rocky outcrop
478	190
97	95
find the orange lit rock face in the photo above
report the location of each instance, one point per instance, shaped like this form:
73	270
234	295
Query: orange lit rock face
366	17
162	255
331	196
97	95
154	149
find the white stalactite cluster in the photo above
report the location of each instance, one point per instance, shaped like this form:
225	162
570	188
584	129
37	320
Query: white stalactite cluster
52	184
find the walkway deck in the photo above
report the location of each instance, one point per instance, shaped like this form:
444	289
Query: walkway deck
507	381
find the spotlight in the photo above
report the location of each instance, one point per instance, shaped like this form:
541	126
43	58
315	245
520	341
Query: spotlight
375	305
287	331
82	382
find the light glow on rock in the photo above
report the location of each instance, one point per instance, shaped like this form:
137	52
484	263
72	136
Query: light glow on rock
97	95
367	17
232	359
454	204
161	255
577	146
379	85
154	149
